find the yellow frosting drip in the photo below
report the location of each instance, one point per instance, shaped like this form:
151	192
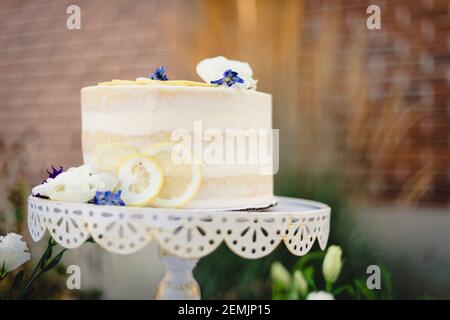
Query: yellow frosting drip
150	81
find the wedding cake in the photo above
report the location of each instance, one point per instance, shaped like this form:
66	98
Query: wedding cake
178	144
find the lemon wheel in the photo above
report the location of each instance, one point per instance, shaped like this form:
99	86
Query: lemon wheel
182	175
141	179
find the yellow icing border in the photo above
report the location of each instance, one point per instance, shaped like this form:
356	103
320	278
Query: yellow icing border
150	81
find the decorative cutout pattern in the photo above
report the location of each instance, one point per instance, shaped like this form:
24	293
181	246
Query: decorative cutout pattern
185	233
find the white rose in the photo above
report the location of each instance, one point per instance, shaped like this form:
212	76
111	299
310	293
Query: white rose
213	68
13	252
76	185
320	295
332	264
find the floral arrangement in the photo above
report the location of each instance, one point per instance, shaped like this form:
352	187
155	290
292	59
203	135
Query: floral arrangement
302	282
80	184
13	254
121	175
298	285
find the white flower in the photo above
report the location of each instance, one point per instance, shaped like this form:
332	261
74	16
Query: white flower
280	275
300	283
13	252
320	295
76	185
213	69
332	264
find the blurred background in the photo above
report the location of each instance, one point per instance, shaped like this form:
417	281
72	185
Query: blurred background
364	119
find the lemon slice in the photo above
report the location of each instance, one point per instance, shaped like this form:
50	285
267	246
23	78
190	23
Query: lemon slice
107	157
141	179
181	180
144	81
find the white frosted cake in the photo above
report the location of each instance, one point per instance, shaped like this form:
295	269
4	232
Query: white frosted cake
143	115
174	143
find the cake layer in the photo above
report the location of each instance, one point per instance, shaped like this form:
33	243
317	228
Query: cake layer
92	140
145	109
233	192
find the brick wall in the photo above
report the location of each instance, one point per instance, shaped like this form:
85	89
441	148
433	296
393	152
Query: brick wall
411	54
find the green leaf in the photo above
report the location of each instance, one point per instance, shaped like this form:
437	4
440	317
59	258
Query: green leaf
54	262
309	276
2	271
46	256
292	294
18	279
51	242
15	285
347	288
362	291
386	284
27	293
309	258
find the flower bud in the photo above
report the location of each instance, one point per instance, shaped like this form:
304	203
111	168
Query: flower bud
300	283
280	275
332	264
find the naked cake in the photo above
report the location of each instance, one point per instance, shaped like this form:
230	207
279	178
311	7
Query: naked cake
130	129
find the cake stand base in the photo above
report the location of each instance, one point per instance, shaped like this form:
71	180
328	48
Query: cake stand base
178	282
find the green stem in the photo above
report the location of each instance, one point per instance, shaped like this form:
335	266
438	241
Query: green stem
8	293
51	244
3	273
329	287
26	288
37	270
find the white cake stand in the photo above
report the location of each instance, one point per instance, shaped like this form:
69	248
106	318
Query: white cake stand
184	235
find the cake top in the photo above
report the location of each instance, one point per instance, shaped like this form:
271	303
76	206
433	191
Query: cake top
216	72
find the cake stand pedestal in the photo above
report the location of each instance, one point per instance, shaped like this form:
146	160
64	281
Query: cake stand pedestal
184	235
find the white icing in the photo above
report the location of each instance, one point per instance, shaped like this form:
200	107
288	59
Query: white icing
167	120
139	110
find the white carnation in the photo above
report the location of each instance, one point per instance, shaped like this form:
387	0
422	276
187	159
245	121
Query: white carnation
13	252
76	185
320	295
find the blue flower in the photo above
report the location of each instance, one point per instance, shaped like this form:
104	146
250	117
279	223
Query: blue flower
108	198
55	172
159	74
230	77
